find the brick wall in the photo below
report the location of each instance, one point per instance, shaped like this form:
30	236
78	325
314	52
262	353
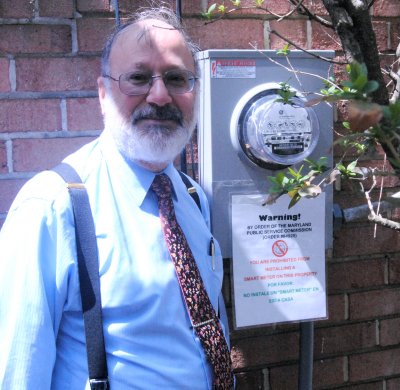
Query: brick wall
49	62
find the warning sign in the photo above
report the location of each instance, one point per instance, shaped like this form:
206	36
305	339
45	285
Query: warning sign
278	260
233	69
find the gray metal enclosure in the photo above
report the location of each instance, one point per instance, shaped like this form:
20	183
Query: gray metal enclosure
224	169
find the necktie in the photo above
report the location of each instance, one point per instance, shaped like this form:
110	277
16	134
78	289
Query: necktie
201	312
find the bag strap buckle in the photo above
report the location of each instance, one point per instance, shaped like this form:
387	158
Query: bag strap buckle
99	384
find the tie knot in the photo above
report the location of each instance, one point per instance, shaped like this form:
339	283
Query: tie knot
162	186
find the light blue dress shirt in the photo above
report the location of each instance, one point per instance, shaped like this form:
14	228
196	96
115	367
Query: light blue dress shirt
149	340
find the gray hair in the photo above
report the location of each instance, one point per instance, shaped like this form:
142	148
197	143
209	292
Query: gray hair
163	14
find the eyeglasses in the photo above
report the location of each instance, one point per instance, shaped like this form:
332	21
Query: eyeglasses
139	83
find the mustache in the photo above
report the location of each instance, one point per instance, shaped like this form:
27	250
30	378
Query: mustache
167	112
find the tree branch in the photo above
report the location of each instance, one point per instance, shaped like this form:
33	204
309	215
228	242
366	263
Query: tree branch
302	9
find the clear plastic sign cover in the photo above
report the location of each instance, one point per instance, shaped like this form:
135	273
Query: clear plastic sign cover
274	132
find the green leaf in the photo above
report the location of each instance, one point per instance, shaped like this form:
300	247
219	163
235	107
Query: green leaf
360	82
295	198
284	51
211	8
352	165
371	86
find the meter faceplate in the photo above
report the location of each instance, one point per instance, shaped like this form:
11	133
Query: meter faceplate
273	134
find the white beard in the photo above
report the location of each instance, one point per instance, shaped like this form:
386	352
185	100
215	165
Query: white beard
155	144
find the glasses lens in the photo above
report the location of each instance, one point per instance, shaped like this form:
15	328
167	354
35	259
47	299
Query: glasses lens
179	81
134	83
139	83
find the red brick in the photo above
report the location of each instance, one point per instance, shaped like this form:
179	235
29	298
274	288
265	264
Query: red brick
3	157
35	38
394	270
345	338
59	8
373	304
57	74
8	191
324	38
336	308
378	385
4	75
389	332
30	115
394	34
262	350
93	5
249	380
227	34
84	114
17	9
277	7
192	7
93	33
390	8
129	7
284	377
374	364
293	30
326	372
393	384
380	165
33	155
355	274
359	240
347	200
381	30
316	6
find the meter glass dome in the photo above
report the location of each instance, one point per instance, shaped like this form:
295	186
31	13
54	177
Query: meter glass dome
273	134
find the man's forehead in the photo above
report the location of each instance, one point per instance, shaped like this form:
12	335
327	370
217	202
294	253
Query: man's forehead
145	31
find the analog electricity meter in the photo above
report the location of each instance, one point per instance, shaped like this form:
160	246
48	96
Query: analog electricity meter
270	133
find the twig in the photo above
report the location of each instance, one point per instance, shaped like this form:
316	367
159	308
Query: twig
306	51
376	218
385	222
288	14
291	70
311	15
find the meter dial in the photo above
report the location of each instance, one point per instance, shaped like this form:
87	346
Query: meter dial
273	134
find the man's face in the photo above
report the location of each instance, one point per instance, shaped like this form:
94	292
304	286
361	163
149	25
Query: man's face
155	126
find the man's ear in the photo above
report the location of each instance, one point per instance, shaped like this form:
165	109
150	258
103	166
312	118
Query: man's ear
101	87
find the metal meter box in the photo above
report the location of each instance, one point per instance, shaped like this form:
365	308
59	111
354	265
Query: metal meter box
246	134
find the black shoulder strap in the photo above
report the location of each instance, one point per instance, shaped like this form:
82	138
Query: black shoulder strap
88	268
192	190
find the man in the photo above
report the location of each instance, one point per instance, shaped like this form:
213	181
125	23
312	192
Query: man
147	93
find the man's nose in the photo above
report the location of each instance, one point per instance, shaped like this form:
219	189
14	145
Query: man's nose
158	93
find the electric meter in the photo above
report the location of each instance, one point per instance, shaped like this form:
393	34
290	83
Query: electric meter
270	133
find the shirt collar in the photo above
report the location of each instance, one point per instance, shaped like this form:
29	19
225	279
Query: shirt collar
135	178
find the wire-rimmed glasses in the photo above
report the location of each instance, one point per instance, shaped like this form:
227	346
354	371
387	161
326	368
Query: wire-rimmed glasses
177	81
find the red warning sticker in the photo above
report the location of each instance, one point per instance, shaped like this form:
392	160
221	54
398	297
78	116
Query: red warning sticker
279	248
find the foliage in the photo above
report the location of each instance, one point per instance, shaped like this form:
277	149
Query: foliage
363	116
373	119
286	93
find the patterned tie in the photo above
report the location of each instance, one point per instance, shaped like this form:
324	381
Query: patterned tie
201	312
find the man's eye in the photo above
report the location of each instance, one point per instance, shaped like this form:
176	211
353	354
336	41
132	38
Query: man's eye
176	79
137	78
